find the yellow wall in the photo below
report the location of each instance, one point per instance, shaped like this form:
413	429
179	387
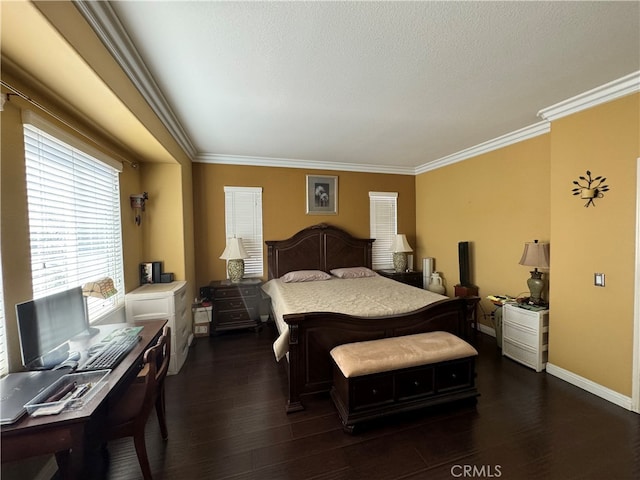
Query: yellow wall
283	205
165	234
522	192
591	328
497	202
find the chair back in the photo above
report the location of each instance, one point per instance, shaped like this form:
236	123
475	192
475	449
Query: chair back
163	355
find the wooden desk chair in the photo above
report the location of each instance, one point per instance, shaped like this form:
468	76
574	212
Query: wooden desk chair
163	358
129	415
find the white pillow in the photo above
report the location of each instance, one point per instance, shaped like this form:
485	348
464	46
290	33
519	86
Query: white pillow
353	272
305	276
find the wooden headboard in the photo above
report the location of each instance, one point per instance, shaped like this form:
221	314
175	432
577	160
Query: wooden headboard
319	247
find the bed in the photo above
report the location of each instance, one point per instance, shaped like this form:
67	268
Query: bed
307	337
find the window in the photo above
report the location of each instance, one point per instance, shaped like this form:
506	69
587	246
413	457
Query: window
243	219
73	197
383	214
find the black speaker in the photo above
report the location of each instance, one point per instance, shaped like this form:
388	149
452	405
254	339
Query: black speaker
463	262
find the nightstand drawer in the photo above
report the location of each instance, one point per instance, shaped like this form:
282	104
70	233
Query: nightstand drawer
525	355
523	335
235	292
233	317
234	304
526	318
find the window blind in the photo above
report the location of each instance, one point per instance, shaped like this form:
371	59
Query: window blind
383	220
74	215
243	219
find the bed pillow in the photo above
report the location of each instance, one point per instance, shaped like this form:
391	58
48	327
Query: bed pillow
305	276
353	272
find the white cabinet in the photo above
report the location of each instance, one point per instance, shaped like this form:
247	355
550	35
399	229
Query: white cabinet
525	335
164	300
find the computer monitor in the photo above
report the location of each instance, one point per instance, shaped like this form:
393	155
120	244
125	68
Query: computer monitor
46	324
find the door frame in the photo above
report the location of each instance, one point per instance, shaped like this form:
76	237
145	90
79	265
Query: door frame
635	383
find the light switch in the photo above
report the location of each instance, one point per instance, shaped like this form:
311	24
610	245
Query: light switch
598	279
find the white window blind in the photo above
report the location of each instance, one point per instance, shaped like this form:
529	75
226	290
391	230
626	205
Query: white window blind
383	216
74	214
243	219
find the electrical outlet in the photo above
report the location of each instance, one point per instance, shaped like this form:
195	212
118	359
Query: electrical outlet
598	279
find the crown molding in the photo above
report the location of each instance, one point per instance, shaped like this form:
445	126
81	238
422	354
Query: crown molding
525	133
105	23
297	163
605	93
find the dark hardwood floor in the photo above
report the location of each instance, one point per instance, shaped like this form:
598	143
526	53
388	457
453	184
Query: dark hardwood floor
227	421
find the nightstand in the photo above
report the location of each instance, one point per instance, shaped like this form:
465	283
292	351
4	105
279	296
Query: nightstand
525	335
410	278
235	305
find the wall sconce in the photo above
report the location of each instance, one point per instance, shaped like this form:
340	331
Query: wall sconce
137	204
593	189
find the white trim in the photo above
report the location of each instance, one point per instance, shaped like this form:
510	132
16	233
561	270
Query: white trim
243	189
525	133
105	23
31	118
487	330
383	194
297	163
591	387
605	93
635	381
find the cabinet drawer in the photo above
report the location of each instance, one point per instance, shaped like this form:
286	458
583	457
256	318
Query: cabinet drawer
523	354
227	317
523	335
454	375
372	390
235	292
232	304
526	318
414	383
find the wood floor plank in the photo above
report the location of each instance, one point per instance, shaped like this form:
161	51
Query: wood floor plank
227	420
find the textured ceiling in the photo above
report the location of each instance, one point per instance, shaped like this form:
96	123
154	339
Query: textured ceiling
373	84
379	83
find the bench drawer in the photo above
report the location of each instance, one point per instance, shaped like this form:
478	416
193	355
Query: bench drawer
414	383
372	390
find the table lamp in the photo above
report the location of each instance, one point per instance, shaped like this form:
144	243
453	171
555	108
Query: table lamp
234	253
400	248
101	288
535	255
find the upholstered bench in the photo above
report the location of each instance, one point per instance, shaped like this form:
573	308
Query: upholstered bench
379	377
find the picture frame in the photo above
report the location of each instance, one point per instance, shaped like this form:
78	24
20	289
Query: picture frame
322	195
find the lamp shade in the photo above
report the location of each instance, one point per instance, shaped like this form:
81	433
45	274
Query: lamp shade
101	288
400	244
234	250
535	255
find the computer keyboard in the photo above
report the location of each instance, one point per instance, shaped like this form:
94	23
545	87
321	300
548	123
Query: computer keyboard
110	355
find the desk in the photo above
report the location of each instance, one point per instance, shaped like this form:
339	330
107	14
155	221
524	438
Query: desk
67	434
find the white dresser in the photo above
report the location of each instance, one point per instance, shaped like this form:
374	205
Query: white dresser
164	300
525	335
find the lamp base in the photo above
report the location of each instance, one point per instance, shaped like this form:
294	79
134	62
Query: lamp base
535	284
235	269
400	261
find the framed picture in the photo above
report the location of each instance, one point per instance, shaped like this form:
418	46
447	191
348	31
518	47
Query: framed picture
322	195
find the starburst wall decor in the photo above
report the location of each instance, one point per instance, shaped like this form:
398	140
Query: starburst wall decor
590	188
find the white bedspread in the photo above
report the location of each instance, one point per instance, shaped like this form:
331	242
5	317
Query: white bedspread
367	297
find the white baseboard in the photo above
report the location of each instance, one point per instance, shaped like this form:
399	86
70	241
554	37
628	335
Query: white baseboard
591	387
488	330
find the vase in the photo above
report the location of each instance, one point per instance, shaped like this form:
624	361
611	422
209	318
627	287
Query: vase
435	284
